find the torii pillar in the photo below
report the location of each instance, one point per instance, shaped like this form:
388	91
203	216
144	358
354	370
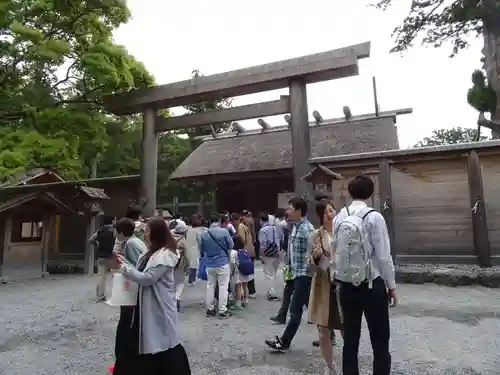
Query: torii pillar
149	162
301	142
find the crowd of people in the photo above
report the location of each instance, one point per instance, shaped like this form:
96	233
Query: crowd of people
339	271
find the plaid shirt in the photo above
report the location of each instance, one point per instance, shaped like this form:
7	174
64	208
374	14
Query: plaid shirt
298	248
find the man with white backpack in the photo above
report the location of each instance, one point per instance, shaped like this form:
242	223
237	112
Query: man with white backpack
363	269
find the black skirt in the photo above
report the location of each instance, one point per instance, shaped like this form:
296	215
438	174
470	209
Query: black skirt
173	361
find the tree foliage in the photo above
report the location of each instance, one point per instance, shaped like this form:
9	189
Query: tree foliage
455	21
440	21
57	61
450	136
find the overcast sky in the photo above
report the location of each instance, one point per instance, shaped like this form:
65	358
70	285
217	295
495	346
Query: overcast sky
174	37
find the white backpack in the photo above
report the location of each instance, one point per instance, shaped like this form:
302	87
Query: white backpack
352	249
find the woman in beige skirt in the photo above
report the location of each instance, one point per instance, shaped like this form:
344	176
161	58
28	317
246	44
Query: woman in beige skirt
323	307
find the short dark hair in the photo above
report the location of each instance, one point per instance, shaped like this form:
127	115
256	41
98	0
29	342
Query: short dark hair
238	242
280	212
107	220
214	217
125	226
361	187
159	234
264	216
134	212
321	207
300	204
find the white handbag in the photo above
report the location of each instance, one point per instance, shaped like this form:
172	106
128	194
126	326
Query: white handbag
123	292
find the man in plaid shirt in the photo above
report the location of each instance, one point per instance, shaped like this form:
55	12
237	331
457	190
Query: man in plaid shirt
299	265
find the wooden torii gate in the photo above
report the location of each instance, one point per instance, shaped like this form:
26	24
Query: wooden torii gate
293	73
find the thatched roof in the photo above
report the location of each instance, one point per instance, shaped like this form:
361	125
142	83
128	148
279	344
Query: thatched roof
269	151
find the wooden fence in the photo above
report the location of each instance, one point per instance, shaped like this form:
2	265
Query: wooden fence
441	204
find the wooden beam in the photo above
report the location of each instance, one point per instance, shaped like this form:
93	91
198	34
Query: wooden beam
265	109
478	210
386	206
324	66
418	152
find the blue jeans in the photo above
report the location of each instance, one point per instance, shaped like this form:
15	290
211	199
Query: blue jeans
192	275
300	298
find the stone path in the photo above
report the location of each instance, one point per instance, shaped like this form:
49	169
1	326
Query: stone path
53	327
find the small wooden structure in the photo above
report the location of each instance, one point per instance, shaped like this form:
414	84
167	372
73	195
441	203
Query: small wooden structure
49	222
321	178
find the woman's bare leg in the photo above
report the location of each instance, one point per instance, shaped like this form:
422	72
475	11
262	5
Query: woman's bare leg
245	292
325	344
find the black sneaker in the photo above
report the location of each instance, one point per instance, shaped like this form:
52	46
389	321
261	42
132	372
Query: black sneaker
224	315
211	313
277	320
277	344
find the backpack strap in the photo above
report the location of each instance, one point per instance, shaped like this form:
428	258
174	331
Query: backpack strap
365	212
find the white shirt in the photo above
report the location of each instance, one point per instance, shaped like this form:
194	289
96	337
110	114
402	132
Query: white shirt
378	236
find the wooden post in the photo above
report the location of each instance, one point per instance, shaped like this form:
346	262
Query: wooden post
149	162
386	206
478	210
89	265
49	230
301	144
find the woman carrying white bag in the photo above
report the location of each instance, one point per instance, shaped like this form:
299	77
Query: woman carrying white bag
150	341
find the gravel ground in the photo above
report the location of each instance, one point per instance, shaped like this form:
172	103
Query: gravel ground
53	327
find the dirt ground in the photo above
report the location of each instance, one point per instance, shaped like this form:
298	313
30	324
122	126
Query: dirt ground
54	327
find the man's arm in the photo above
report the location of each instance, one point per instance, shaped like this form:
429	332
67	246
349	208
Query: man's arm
229	241
262	240
201	245
382	249
93	239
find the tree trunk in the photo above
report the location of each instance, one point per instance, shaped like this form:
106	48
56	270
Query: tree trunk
491	52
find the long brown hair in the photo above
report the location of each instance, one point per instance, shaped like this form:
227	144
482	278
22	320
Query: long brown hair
159	235
321	206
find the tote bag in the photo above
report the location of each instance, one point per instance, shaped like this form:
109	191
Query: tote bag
202	269
123	292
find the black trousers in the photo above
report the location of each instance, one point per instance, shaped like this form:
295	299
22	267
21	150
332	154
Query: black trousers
300	298
251	283
285	302
374	304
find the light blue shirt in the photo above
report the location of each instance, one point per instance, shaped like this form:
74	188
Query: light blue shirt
268	235
216	249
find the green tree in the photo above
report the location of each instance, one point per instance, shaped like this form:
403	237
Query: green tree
455	21
57	61
450	136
